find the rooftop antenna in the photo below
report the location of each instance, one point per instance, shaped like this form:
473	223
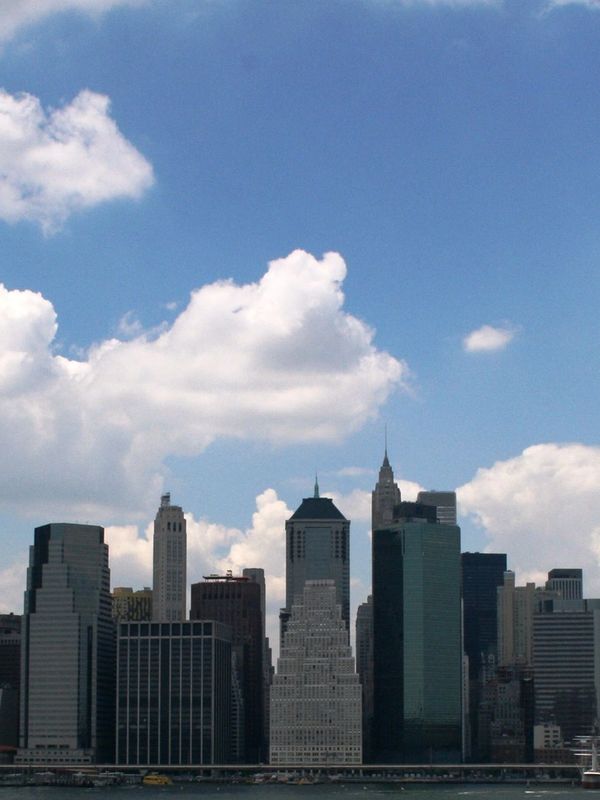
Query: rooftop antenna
316	494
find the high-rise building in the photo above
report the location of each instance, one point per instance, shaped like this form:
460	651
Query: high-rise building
364	666
130	606
385	497
482	574
317	548
566	662
173	693
10	679
257	575
67	678
417	646
236	601
516	605
316	694
169	563
567	583
444	504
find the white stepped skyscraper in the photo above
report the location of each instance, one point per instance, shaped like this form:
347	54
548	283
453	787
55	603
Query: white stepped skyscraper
316	694
169	563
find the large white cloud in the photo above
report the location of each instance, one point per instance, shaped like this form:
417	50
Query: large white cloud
18	14
542	508
277	360
55	163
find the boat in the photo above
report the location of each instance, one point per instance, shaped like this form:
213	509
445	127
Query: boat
156	779
591	777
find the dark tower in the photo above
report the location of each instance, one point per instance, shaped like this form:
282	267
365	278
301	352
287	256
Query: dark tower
317	548
236	601
482	573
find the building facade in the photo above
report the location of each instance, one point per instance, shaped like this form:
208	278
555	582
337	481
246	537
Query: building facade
364	666
516	605
10	679
417	644
566	661
173	693
130	606
237	602
317	548
481	575
567	583
169	581
67	676
316	694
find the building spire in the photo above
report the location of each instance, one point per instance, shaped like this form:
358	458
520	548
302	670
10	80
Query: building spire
316	494
386	462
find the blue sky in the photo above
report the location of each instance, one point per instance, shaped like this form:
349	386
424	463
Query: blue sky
446	151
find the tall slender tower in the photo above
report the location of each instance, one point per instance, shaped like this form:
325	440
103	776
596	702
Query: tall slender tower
169	563
385	497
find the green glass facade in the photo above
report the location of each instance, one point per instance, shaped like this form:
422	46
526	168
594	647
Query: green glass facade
417	642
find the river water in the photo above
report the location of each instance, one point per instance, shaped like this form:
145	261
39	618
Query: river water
356	791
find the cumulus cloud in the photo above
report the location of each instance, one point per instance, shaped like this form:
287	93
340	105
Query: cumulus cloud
268	360
212	548
18	14
58	162
542	508
489	338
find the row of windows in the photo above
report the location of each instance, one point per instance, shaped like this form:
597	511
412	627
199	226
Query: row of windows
166	629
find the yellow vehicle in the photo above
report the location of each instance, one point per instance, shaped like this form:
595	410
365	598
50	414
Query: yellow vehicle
154	779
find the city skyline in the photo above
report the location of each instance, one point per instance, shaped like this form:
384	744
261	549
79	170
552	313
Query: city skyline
240	240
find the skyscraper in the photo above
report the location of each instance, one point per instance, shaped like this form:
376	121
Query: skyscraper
364	667
67	678
173	693
568	583
317	548
417	647
316	695
236	602
482	574
515	622
10	679
169	563
385	497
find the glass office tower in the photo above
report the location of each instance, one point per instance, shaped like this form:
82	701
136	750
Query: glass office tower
417	648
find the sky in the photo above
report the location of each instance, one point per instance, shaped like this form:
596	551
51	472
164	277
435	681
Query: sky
239	240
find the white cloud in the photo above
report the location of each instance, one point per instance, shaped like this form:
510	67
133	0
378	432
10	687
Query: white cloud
277	360
542	508
18	14
55	163
489	338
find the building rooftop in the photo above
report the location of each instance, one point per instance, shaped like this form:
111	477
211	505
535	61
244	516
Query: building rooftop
317	508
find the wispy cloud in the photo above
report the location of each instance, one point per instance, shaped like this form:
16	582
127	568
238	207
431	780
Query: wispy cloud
55	163
489	338
16	15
